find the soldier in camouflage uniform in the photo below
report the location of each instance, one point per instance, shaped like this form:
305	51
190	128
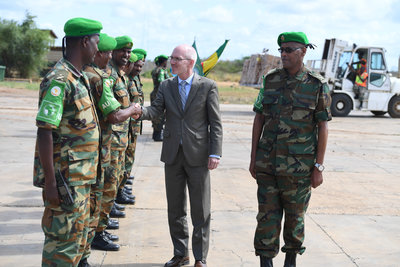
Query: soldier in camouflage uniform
108	111
292	111
67	143
119	136
159	74
135	126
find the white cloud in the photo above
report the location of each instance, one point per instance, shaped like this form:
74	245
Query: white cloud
218	14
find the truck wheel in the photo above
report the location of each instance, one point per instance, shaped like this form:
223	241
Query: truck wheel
378	113
394	107
341	105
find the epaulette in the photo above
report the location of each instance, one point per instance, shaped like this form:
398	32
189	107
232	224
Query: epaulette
60	75
318	76
276	70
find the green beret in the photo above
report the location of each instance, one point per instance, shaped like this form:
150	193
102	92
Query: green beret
80	27
106	43
298	37
133	58
139	56
162	56
140	51
123	42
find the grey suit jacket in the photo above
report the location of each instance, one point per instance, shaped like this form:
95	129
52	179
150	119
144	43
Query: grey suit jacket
198	126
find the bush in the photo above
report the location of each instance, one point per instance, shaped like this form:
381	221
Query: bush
23	47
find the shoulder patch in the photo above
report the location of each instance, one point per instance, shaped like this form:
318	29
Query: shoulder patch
51	107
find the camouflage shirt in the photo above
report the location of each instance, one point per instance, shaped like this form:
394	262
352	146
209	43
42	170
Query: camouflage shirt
105	103
292	107
158	74
65	108
136	96
120	130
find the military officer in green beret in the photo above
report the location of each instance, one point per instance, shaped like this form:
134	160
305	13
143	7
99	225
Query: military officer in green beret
158	74
290	134
136	95
109	112
141	53
119	138
67	146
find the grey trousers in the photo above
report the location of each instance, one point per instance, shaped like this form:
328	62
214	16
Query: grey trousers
178	177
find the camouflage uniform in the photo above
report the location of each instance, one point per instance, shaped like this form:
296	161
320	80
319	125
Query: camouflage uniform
292	107
75	146
105	103
135	127
158	74
119	142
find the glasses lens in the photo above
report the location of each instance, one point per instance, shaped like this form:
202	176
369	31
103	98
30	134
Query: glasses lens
288	49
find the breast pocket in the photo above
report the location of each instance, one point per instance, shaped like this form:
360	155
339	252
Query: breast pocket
122	97
303	107
84	115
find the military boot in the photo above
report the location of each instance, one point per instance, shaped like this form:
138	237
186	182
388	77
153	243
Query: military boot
111	236
123	198
112	224
102	242
290	260
118	206
115	213
265	262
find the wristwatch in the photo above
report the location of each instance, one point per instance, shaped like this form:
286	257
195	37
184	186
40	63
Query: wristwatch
319	167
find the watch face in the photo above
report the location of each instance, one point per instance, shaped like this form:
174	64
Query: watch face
321	168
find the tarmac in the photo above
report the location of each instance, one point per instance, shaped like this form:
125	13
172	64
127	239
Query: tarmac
353	218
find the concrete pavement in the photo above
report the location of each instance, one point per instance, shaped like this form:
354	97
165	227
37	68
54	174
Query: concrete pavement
353	218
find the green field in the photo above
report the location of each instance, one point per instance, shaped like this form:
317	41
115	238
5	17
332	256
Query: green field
230	92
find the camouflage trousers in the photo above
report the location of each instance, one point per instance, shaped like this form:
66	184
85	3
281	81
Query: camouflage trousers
278	195
96	194
112	174
66	229
157	123
129	159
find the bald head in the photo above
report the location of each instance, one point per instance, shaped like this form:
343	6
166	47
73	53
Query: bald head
188	51
183	59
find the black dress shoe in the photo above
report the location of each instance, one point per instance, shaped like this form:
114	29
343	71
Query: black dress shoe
129	181
124	199
111	236
265	262
115	213
131	177
157	136
84	263
102	242
177	261
112	224
118	206
290	260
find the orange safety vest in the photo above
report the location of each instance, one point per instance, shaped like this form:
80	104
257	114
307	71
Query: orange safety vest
361	78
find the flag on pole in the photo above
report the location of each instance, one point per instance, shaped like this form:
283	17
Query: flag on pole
203	68
198	68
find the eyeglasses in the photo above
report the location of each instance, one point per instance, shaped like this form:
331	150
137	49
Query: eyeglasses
288	49
177	59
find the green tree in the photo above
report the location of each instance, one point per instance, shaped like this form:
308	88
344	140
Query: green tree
23	47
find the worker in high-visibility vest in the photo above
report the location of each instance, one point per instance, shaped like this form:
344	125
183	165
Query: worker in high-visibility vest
360	84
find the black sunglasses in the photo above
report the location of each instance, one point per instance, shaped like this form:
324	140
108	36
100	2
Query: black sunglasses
288	49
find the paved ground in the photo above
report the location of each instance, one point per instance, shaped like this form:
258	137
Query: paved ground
353	218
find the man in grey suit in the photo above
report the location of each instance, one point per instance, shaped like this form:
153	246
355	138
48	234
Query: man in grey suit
192	146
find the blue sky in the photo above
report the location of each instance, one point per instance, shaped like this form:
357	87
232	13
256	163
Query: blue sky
251	25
